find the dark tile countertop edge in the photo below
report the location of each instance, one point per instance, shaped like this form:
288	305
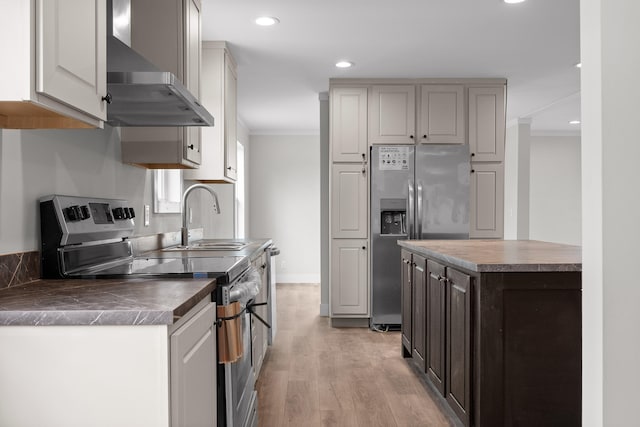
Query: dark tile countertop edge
493	266
101	302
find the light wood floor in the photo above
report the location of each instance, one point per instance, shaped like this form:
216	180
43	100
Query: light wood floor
315	375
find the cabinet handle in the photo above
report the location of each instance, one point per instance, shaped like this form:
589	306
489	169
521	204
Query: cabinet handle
107	98
364	171
438	277
190	147
364	156
229	168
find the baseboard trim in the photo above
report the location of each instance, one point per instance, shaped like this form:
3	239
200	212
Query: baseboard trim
341	322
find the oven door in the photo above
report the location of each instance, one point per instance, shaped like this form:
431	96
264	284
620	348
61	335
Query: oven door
240	393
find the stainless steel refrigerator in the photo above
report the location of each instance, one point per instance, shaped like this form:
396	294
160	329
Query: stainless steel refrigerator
417	192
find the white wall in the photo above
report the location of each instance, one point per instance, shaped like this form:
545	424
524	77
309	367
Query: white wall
36	163
610	210
285	202
555	190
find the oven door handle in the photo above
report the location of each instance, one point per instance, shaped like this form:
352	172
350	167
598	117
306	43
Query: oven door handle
250	306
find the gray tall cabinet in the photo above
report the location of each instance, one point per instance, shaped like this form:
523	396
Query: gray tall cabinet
366	112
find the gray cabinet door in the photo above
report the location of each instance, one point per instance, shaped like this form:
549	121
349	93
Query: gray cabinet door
487	201
441	114
406	299
419	310
349	124
392	114
487	123
349	201
349	290
436	293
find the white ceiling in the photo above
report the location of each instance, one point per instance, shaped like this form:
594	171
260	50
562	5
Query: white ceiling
282	69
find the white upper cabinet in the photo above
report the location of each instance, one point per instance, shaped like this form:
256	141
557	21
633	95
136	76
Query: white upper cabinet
487	123
168	34
392	114
219	87
349	124
49	84
441	114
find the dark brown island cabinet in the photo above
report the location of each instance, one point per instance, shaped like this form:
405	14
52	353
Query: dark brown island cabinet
495	327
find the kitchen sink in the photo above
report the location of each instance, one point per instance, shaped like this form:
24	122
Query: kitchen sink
212	245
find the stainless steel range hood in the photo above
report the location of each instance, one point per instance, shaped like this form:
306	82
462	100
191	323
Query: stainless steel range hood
140	93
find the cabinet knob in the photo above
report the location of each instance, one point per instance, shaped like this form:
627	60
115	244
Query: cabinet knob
473	154
424	136
364	156
229	168
364	248
411	136
473	171
190	147
364	171
107	98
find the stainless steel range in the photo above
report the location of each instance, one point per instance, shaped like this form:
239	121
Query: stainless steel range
89	238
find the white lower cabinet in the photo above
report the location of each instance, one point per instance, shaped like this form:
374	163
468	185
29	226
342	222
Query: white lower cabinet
193	371
104	376
349	290
349	201
487	201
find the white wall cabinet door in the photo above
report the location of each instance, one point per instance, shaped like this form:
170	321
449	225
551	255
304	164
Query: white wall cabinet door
441	114
487	123
392	114
487	200
193	371
349	124
218	90
63	29
230	121
349	201
349	289
192	139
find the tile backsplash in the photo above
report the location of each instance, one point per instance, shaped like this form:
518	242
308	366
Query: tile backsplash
16	269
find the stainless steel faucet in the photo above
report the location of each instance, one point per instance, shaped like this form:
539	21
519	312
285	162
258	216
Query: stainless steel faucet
216	208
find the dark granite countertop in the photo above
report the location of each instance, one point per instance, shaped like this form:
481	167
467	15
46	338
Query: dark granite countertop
500	255
101	302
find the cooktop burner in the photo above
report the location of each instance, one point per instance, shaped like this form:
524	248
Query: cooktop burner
224	269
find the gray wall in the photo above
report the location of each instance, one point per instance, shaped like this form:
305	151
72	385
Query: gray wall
285	202
36	163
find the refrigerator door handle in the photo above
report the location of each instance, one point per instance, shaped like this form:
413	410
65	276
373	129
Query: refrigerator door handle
410	204
419	213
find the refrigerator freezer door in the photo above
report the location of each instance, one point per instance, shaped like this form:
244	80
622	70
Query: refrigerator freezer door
392	169
442	184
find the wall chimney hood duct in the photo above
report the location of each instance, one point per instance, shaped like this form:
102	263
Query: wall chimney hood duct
141	94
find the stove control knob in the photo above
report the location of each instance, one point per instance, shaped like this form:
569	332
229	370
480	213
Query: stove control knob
85	213
125	213
118	213
73	213
132	213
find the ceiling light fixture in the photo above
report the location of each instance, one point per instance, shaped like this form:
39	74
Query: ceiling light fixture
267	21
344	64
574	122
513	1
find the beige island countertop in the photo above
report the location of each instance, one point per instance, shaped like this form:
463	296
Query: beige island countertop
500	255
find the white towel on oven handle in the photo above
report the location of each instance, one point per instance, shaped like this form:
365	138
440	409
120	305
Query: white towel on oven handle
247	287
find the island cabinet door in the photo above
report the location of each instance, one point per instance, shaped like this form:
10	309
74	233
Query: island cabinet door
406	298
436	291
458	360
419	306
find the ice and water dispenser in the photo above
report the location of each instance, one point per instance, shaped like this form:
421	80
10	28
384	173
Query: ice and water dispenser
393	216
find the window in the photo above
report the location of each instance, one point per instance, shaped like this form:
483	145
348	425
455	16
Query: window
167	190
240	232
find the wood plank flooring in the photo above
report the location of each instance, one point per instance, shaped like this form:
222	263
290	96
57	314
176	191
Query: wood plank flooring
316	375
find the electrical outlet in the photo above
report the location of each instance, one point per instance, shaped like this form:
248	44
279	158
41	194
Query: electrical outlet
146	215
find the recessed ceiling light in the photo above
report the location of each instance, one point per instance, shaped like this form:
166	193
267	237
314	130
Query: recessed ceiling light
579	65
267	21
344	64
574	122
513	1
